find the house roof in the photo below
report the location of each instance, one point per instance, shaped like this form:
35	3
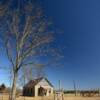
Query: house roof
36	81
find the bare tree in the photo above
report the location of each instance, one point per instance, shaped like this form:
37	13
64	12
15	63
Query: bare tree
33	73
25	31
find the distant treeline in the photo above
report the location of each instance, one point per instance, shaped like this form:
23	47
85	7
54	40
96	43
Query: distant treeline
80	91
69	92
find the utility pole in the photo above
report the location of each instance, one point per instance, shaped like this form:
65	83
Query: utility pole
75	87
59	85
59	94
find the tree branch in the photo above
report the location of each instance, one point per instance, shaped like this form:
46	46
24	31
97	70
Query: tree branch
8	55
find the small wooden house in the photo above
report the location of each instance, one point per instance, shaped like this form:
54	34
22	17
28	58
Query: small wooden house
38	87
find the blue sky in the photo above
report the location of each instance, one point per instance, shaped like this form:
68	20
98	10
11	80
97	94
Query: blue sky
80	22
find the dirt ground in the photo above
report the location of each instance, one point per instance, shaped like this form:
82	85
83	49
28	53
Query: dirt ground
66	97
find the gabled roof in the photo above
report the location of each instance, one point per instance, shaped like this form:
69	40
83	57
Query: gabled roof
34	82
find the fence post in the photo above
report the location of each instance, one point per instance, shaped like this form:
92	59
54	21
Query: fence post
2	96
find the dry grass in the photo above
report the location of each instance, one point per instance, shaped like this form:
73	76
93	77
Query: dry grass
66	97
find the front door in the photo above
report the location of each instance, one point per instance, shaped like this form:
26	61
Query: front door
41	91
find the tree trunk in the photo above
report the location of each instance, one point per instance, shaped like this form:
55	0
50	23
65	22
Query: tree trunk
13	92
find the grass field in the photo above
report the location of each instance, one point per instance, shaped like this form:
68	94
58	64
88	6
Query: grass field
66	97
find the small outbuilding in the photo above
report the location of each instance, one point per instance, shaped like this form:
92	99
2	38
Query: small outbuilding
38	87
3	88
